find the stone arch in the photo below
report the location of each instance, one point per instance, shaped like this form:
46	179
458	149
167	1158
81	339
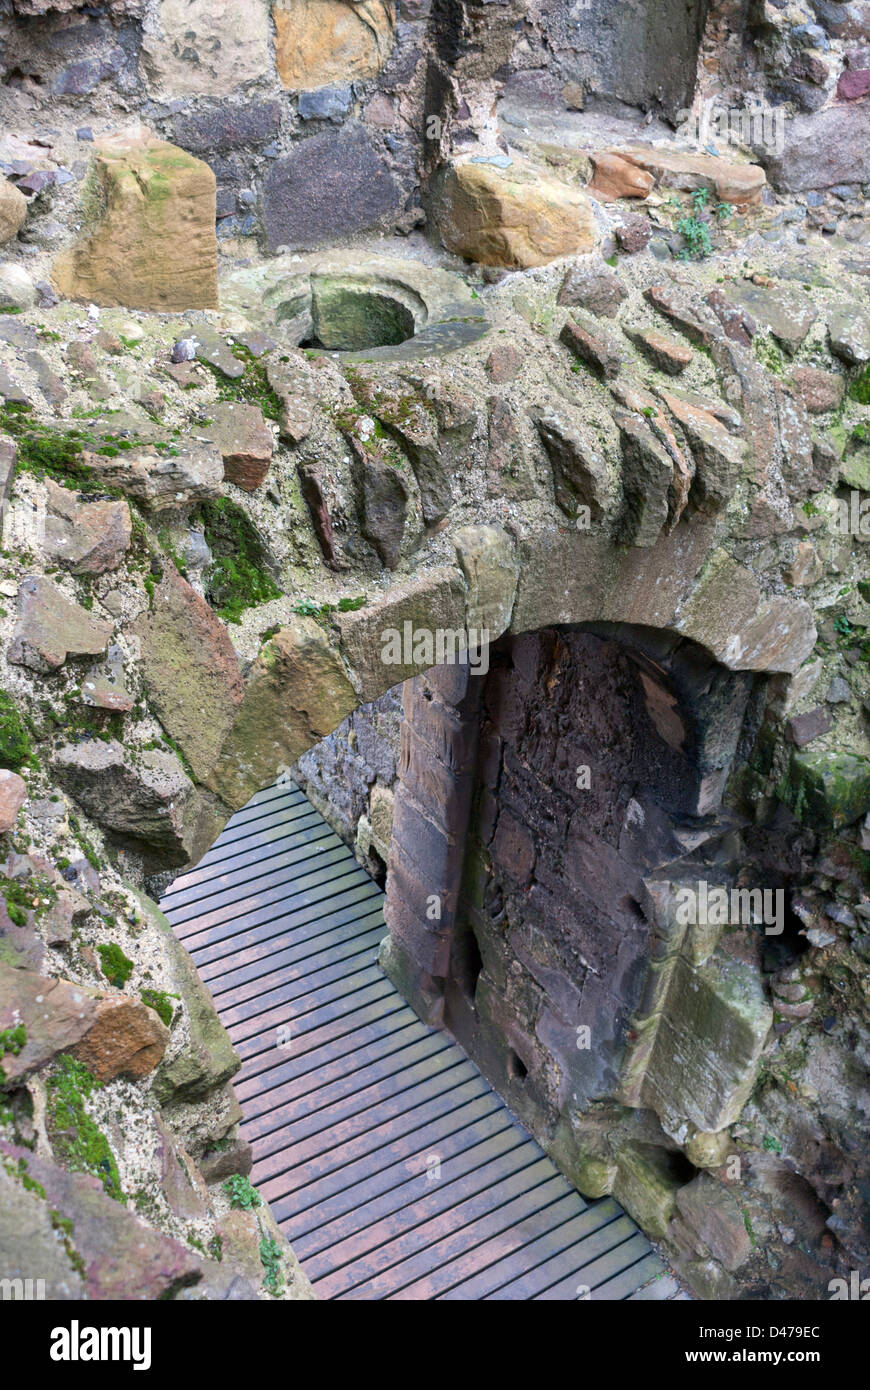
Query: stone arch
307	679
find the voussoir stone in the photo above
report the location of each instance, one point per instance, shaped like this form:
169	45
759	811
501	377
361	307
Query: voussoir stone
153	245
190	669
488	560
432	603
52	628
665	352
581	475
297	692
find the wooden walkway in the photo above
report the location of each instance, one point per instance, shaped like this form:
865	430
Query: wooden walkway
393	1167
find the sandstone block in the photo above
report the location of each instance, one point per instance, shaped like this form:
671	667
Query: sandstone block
151	242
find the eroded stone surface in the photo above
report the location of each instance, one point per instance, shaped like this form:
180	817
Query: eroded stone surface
513	216
52	628
318	42
152	245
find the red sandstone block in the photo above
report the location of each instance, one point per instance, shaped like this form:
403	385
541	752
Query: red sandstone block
453	740
445	794
416	886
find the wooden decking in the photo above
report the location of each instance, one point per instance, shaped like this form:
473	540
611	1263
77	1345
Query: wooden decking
393	1167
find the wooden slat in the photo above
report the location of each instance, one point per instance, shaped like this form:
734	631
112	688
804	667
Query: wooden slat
390	1163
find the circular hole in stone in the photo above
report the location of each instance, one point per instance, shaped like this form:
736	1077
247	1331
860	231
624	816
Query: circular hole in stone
348	317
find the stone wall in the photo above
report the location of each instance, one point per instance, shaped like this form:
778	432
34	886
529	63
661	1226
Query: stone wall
317	120
350	776
548	817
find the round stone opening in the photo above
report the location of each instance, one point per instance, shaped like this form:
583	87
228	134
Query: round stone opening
348	317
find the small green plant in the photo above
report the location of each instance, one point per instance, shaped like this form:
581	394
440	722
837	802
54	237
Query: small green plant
270	1258
243	1196
696	235
307	608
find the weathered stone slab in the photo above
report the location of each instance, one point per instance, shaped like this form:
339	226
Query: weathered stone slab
514	216
787	312
731	181
331	185
199	47
245	442
51	628
200	1057
149	799
190	669
85	537
709	1043
152	244
714	1214
112	1254
163	482
13	794
593	286
13	210
113	1035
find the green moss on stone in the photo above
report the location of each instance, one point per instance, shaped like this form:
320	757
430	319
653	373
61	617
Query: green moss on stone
116	967
239	577
159	1001
860	387
77	1141
15	746
826	790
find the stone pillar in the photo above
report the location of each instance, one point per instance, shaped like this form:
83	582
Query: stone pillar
437	764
